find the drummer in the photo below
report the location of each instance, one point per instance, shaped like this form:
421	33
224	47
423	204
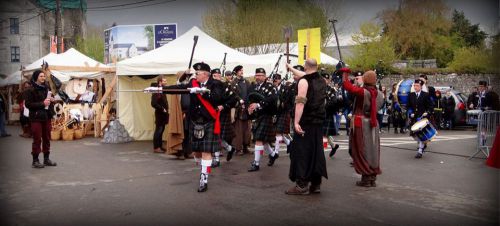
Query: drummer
419	107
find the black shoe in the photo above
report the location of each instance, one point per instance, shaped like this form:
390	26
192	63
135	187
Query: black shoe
402	131
6	135
334	150
418	155
230	154
37	164
253	167
315	189
215	163
203	187
272	159
425	147
48	162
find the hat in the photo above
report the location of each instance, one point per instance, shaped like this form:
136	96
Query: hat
34	77
276	77
201	67
215	71
370	78
260	70
237	68
357	73
299	67
228	73
419	81
483	83
325	75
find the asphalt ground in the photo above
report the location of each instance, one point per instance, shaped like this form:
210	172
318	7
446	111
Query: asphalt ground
127	184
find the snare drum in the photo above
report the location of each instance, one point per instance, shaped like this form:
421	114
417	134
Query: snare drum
473	117
423	130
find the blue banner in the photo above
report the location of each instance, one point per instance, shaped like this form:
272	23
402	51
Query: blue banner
164	34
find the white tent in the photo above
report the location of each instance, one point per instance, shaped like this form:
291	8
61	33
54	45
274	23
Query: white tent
174	57
12	79
70	64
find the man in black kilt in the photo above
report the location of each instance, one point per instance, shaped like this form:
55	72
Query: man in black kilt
282	117
205	126
230	99
307	157
331	109
262	108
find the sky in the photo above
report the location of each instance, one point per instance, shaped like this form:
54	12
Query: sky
188	13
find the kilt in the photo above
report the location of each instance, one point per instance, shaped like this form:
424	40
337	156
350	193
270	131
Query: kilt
329	126
209	143
227	132
263	129
283	123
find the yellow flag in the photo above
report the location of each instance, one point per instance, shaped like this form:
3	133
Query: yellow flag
311	39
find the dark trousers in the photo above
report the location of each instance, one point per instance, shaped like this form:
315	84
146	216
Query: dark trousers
41	133
157	137
380	119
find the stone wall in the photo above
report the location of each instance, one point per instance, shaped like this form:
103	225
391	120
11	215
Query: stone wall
461	82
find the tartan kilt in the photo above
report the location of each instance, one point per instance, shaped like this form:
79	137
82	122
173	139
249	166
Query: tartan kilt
209	143
227	132
329	126
263	129
283	123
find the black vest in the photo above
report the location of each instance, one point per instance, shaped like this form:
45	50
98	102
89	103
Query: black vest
314	109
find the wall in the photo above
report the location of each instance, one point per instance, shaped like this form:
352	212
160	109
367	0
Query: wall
462	82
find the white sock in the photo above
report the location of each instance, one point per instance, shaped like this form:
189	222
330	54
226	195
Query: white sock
269	150
420	147
330	141
286	140
226	146
205	169
277	144
259	150
197	160
216	155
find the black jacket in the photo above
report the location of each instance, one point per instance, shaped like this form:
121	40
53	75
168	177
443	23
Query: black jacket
420	105
197	111
34	97
269	104
160	104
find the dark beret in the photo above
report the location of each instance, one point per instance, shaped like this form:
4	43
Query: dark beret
325	75
260	70
357	73
299	67
215	71
201	67
483	83
228	73
276	77
237	68
419	81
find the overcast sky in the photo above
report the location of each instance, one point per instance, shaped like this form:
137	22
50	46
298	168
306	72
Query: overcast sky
188	13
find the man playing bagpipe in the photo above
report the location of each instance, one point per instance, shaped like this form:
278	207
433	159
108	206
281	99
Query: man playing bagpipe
230	99
283	115
331	109
205	125
262	108
419	106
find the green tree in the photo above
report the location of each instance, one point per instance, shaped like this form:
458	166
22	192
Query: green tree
92	44
149	34
260	23
471	34
372	50
473	60
417	27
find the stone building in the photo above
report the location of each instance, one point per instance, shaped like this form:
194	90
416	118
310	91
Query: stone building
26	27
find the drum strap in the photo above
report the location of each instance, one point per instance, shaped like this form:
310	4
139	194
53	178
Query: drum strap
215	114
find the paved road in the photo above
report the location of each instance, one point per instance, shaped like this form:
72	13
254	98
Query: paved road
126	184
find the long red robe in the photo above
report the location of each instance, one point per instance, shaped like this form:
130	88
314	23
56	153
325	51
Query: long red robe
364	139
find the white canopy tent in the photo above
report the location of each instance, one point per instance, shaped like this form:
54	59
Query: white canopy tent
70	64
12	79
174	57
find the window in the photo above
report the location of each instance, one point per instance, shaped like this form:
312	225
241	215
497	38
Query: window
15	54
14	26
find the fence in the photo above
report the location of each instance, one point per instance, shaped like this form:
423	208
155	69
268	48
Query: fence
488	123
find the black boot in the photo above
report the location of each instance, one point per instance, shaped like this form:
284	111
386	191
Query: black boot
272	159
254	167
36	163
230	154
334	150
47	161
203	186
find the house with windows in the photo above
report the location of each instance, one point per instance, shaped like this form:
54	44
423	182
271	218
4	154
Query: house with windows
26	27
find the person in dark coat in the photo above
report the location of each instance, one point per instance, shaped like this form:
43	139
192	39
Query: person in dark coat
488	99
160	104
242	126
448	104
419	106
308	164
438	110
39	101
